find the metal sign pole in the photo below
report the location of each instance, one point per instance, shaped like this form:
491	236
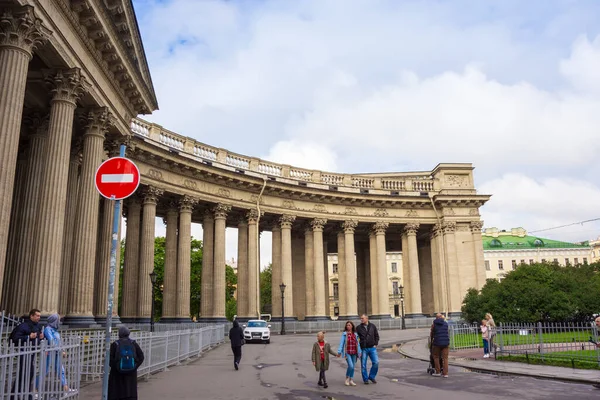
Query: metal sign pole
111	288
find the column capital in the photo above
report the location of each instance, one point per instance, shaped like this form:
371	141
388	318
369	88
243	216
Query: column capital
66	85
286	221
21	29
95	120
276	225
318	224
411	228
221	210
133	201
187	203
476	226
112	144
36	123
152	194
252	216
208	215
449	227
380	227
349	225
171	212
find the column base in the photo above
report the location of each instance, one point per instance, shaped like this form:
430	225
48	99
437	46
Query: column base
175	320
244	319
115	320
317	318
80	320
455	315
381	316
141	320
413	316
348	317
127	320
214	320
287	319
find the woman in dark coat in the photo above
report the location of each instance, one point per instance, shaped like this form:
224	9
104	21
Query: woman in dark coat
236	336
123	386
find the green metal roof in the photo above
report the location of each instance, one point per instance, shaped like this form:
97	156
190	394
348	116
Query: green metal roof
507	242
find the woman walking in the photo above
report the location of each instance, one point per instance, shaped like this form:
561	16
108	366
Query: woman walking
491	325
236	337
349	349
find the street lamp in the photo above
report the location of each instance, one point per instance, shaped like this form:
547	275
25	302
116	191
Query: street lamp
282	287
153	280
401	289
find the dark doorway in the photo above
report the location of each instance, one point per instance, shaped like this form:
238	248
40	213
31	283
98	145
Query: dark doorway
396	310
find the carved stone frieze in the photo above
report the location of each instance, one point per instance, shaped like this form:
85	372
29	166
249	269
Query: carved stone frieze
448	211
289	204
381	212
349	225
320	208
350	211
411	228
21	28
222	192
190	184
412	214
458	181
474	212
254	199
155	174
463	228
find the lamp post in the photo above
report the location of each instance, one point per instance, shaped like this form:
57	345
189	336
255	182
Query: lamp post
282	287
153	280
401	289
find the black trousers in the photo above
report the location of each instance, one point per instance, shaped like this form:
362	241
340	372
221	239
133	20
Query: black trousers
237	354
22	383
322	375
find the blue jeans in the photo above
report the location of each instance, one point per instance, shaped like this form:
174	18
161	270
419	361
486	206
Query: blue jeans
369	352
486	346
351	360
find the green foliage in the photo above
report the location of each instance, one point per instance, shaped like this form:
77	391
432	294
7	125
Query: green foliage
196	272
538	293
230	283
265	289
231	308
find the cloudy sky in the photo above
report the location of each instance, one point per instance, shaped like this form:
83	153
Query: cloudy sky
388	85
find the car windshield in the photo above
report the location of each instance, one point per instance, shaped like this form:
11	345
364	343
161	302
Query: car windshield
257	324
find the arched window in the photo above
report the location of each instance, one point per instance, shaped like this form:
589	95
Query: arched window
495	243
538	243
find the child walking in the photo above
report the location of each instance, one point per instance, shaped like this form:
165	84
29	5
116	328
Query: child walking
320	357
485	334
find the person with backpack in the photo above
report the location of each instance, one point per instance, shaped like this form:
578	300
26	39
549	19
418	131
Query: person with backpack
126	356
26	335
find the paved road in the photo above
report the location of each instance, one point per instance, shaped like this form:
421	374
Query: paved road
282	370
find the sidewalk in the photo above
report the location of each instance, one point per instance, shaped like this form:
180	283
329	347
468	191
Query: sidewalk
471	359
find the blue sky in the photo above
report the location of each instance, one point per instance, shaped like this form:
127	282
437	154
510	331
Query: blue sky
390	85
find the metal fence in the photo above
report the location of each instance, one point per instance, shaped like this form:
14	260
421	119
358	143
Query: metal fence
571	342
338	326
8	323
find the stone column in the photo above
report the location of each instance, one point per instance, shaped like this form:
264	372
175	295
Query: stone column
131	263
361	280
242	270
286	222
67	86
438	270
342	285
276	271
184	258
170	282
144	305
309	273
326	283
103	261
413	283
20	32
320	293
374	275
81	301
478	250
382	273
72	196
208	243
451	269
351	275
219	283
253	264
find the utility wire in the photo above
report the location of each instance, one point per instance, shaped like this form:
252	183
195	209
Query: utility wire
564	226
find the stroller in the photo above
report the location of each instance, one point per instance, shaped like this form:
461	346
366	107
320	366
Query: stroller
431	366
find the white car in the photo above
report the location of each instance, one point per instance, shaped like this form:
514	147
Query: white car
257	330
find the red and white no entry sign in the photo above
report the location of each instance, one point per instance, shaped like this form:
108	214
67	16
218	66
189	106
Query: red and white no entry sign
117	178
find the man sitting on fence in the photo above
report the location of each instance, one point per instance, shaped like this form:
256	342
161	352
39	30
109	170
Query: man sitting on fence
26	335
126	356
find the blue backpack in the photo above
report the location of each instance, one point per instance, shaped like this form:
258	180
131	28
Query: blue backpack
126	362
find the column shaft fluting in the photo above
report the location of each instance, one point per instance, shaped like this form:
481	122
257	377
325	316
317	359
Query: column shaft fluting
414	282
342	285
382	273
67	255
131	262
103	260
184	255
452	270
253	264
48	241
286	264
276	271
242	269
350	263
81	301
309	272
319	256
208	245
169	306
479	272
145	289
219	282
21	34
374	274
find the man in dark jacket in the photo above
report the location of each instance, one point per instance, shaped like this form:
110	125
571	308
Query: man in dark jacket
236	336
441	341
27	334
369	339
123	386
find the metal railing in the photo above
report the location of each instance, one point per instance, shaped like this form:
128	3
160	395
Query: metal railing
338	325
8	323
544	341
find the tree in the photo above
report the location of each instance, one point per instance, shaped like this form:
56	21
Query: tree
265	289
196	277
230	282
231	308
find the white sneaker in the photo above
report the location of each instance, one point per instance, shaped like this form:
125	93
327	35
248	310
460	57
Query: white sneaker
347	382
436	374
486	356
352	383
445	376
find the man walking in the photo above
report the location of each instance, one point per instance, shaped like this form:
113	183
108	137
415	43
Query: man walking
369	339
27	335
441	341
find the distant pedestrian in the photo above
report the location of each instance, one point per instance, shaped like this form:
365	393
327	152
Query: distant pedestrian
349	348
126	356
597	321
441	343
320	357
369	340
236	337
485	337
26	335
491	331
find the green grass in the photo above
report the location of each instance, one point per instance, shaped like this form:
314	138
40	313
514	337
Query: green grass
567	359
466	340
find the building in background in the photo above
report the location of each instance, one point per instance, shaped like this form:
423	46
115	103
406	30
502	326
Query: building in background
595	245
504	250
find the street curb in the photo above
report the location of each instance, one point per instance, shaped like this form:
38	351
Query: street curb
498	372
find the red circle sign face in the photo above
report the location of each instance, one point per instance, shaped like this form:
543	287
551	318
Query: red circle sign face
117	178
